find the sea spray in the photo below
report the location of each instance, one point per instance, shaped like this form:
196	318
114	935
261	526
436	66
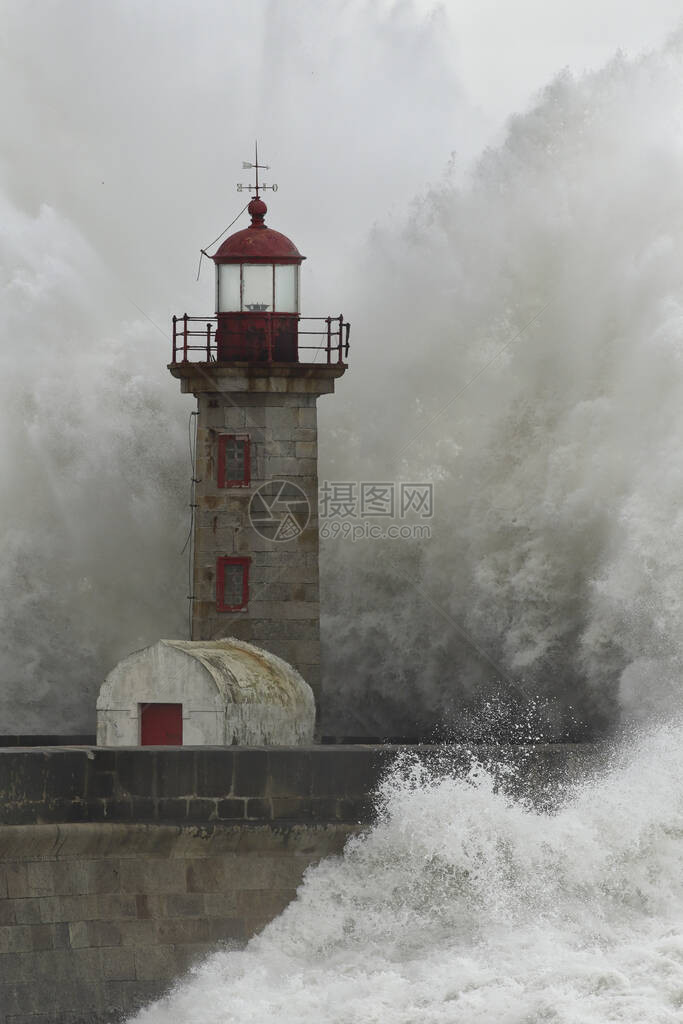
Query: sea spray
516	341
110	181
463	905
522	348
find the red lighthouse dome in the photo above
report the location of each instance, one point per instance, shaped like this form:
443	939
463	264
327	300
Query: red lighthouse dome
257	293
258	243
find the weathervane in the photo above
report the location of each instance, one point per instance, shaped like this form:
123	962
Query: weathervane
257	167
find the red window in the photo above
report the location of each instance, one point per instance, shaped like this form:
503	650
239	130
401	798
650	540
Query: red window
161	725
234	461
232	584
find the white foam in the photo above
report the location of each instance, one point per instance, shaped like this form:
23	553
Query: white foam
464	906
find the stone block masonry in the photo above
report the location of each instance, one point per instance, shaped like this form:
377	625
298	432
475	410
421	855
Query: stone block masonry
272	410
190	784
223	526
98	919
121	867
232	785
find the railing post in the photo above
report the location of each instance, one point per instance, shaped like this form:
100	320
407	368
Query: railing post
174	337
185	338
329	339
208	343
341	330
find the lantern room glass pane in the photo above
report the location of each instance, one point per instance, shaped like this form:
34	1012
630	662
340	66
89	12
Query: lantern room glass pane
228	288
286	289
257	287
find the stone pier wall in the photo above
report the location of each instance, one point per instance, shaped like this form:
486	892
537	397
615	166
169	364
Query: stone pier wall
98	919
121	867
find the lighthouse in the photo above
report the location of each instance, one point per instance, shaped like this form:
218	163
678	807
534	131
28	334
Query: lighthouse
250	672
257	369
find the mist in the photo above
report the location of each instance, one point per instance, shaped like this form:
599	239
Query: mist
536	256
542	395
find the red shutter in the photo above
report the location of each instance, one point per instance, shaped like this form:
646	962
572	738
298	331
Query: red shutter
232	583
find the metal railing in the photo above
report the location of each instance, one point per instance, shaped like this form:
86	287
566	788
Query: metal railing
197	344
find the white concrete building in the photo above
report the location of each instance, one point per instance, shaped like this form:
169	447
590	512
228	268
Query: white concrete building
220	692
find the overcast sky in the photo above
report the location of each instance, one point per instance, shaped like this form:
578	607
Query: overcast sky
506	50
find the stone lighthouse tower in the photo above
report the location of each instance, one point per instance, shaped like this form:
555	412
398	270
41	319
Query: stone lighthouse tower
257	370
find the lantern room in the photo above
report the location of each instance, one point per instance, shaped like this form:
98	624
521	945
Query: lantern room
257	293
258	319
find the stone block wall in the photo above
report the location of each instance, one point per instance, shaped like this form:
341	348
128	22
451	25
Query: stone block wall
232	785
190	784
121	867
98	919
283	612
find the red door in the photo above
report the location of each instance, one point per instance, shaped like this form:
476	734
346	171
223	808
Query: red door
161	725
